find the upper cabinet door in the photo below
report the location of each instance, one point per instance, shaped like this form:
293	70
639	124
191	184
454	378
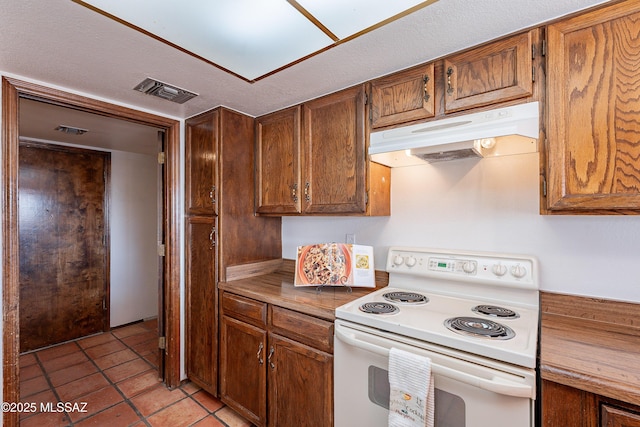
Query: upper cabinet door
592	110
334	169
278	189
496	72
403	97
201	164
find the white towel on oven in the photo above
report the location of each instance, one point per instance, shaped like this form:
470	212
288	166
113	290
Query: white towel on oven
411	390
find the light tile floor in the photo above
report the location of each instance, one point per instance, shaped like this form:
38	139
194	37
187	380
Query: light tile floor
115	374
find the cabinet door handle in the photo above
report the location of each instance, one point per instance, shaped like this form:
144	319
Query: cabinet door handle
294	192
450	87
271	351
260	359
307	196
212	194
425	89
212	238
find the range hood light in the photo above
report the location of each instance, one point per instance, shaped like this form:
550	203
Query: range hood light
487	143
498	132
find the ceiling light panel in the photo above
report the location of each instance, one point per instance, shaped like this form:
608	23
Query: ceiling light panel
247	37
253	38
348	17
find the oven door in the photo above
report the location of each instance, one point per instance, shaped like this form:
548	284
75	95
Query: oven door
469	391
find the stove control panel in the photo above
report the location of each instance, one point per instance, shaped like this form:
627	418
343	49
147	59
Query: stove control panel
469	266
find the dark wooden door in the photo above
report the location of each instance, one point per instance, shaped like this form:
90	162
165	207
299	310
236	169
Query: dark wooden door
63	244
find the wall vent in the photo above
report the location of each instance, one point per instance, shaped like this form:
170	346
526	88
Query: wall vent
71	130
164	91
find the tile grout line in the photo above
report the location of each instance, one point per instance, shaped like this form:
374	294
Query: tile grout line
127	400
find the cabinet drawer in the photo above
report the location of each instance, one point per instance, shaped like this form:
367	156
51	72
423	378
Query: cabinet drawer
305	329
251	311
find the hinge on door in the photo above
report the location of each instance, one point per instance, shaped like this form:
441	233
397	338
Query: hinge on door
371	114
161	158
533	74
161	250
543	47
544	186
162	343
104	303
533	51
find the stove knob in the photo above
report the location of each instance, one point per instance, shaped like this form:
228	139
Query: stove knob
518	271
499	269
398	260
469	267
411	261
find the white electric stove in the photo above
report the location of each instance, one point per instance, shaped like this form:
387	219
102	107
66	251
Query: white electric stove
475	314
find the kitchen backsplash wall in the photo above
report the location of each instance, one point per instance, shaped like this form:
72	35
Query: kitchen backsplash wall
491	205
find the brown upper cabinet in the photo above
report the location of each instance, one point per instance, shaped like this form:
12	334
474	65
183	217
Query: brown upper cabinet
202	163
312	159
496	72
278	162
593	147
403	97
502	71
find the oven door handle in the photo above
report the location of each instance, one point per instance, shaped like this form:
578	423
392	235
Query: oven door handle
496	385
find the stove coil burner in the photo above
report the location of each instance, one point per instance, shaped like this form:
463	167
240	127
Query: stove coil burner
495	311
406	297
481	328
379	308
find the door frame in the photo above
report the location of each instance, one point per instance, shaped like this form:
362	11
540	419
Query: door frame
12	91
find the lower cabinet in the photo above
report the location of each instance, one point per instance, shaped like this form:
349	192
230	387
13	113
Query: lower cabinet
570	407
276	366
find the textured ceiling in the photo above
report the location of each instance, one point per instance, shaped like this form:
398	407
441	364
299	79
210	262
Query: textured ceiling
62	43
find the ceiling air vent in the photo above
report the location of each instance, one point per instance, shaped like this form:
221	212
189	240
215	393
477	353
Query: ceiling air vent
164	91
71	130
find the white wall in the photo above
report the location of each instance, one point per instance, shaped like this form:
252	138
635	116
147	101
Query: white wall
491	205
134	237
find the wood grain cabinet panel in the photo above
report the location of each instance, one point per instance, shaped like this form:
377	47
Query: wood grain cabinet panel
618	417
279	374
496	72
278	188
570	407
201	158
334	162
592	115
201	300
243	379
300	385
245	309
403	97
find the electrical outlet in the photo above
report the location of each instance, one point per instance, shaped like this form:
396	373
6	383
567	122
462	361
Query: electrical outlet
350	239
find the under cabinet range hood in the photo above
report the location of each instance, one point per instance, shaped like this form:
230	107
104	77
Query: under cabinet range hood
502	131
